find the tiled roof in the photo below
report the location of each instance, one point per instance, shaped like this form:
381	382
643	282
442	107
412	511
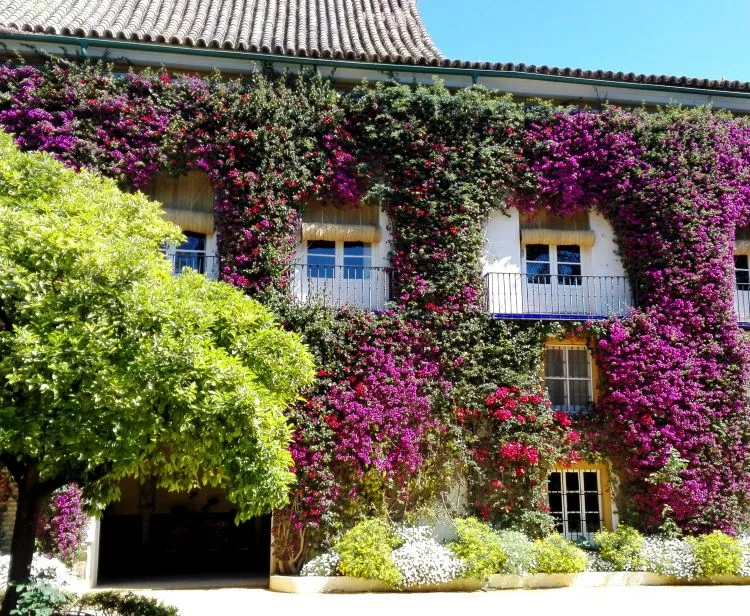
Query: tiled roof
388	31
659	80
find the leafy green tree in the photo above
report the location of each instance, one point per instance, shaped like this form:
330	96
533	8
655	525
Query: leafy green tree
110	367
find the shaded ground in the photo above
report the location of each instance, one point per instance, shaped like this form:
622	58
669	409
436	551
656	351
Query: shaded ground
635	601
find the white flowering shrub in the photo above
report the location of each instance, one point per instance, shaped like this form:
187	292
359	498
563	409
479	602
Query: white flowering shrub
326	564
519	552
745	543
423	562
674	557
411	534
50	570
597	563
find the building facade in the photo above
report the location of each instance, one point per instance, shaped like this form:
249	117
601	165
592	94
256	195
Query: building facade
538	265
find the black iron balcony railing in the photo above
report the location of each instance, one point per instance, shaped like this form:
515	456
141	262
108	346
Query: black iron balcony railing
521	295
197	260
341	285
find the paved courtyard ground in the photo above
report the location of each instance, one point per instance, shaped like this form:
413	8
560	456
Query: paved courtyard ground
634	601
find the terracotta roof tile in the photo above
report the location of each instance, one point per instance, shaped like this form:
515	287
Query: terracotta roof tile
389	31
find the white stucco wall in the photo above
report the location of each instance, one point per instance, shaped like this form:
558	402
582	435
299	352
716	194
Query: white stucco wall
603	257
502	246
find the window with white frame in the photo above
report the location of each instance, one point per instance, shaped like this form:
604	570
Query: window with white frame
567	375
546	263
328	259
197	252
574	497
742	272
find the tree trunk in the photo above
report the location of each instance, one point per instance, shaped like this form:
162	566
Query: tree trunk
29	507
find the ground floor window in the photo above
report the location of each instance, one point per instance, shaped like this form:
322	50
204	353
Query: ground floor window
575	501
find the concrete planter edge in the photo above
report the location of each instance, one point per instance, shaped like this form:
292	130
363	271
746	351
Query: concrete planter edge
342	584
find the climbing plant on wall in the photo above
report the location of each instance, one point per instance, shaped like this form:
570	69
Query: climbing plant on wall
673	184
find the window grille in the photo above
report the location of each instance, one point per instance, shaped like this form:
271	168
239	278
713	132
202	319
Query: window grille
567	375
574	497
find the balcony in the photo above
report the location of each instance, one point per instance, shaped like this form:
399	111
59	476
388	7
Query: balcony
197	260
547	296
368	288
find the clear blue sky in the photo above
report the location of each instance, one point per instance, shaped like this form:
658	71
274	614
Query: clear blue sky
696	38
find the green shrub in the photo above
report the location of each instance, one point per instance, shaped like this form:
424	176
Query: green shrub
365	552
623	548
128	604
479	547
717	554
38	598
519	552
555	554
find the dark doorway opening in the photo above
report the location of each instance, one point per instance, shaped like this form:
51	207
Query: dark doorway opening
154	534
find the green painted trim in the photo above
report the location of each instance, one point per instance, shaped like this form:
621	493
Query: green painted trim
473	74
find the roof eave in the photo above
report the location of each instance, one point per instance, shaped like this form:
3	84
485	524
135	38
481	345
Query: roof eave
475	74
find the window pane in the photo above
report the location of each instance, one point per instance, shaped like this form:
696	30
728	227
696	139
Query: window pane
553	362
193	241
191	253
593	523
591	501
556	392
537	252
579	396
574	522
578	363
554	482
555	504
569	254
357	260
572	484
590	482
569	274
742	277
321	259
538	273
740	262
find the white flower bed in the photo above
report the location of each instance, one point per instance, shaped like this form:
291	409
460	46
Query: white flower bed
426	562
325	564
673	557
50	570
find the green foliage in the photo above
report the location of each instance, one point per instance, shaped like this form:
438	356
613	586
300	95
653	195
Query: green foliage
110	367
622	548
717	554
555	554
365	552
479	547
38	599
519	552
116	604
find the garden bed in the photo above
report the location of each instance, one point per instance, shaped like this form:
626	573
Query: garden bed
590	579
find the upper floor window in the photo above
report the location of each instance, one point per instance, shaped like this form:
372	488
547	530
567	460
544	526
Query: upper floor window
350	260
547	262
742	272
567	374
190	254
321	259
